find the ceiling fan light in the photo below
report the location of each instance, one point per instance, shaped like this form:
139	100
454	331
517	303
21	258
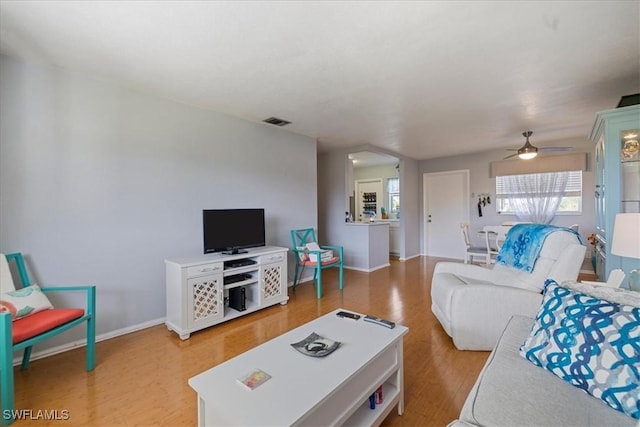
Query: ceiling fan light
527	152
527	156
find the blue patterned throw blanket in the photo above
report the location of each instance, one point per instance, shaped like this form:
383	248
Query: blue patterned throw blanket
523	243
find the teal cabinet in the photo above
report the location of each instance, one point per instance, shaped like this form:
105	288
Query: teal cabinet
617	181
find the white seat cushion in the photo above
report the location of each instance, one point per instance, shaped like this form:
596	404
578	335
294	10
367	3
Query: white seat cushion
557	247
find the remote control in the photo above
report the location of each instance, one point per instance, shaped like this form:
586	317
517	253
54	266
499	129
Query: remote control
347	314
378	321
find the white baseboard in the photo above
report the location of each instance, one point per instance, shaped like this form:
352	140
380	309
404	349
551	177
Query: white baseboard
410	257
302	280
83	343
367	270
346	267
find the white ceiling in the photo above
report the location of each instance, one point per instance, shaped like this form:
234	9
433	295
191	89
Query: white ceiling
421	79
361	159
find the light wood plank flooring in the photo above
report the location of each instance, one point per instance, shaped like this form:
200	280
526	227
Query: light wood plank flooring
141	378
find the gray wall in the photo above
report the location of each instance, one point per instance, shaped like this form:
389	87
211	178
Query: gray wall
332	198
410	202
480	182
100	184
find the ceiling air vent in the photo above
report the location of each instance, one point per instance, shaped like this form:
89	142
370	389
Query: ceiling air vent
276	121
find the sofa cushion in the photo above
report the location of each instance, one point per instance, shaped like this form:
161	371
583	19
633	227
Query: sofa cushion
560	258
618	295
524	243
513	392
591	342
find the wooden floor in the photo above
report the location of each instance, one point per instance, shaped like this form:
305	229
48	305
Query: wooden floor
141	378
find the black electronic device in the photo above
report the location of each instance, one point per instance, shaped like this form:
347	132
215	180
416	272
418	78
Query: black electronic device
231	230
228	280
238	298
348	315
239	263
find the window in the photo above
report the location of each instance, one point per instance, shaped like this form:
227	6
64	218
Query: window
393	188
509	194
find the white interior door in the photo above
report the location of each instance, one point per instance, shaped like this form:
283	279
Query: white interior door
446	205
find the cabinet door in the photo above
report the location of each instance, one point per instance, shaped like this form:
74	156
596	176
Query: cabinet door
272	282
205	300
600	188
630	168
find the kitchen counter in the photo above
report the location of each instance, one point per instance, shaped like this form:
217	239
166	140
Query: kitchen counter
394	233
369	223
366	245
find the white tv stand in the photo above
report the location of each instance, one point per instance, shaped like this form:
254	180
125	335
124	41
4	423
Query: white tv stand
197	296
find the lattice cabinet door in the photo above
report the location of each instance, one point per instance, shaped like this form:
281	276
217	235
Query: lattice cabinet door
205	302
272	281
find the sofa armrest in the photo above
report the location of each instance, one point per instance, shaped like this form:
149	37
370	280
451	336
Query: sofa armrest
567	267
466	270
493	305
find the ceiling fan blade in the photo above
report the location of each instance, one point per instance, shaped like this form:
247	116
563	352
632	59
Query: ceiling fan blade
528	151
551	149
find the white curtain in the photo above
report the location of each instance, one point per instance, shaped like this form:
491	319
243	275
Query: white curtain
536	197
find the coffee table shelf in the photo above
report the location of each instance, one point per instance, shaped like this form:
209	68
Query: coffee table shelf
365	416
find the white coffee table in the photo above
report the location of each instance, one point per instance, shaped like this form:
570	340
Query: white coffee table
331	390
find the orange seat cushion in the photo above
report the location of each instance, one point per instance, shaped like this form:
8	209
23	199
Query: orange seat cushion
329	261
43	321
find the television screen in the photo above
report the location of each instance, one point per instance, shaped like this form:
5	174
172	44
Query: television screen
229	230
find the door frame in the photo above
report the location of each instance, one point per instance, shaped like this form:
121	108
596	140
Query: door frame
466	194
358	202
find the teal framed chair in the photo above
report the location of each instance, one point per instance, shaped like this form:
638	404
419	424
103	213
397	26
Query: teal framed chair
309	258
22	333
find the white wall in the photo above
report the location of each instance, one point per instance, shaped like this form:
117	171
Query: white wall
100	184
478	165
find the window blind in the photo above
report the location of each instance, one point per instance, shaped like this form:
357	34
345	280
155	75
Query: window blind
541	164
574	186
393	185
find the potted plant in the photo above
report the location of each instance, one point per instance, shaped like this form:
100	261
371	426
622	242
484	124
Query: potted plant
592	239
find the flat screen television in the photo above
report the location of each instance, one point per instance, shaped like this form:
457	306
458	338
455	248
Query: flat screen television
232	230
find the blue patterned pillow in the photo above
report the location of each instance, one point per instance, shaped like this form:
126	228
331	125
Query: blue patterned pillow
592	343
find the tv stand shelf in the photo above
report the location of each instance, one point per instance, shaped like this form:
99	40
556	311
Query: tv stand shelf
197	296
228	265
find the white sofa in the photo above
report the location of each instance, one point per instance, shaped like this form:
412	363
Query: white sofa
474	303
511	391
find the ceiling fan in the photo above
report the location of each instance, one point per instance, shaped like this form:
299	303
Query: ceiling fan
528	151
